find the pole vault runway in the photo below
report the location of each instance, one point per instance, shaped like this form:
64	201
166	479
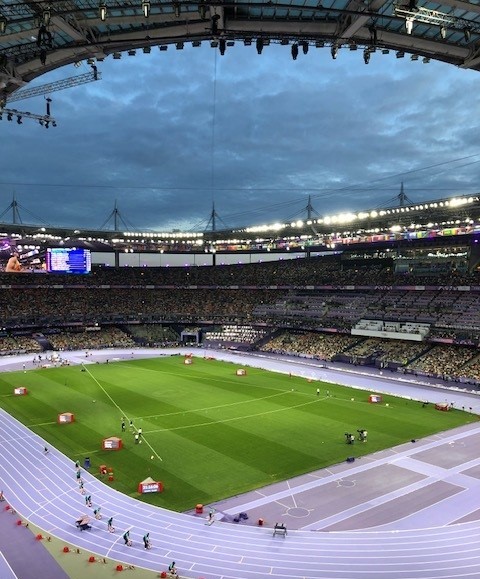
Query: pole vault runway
412	512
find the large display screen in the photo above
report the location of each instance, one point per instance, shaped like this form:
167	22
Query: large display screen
68	260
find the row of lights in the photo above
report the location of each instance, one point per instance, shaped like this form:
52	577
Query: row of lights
222	44
190	242
10	118
349	217
176	234
43	122
296	239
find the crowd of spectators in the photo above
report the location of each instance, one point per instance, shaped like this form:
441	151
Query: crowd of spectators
279	295
57	306
18	345
91	340
384	352
334	270
309	344
444	361
471	371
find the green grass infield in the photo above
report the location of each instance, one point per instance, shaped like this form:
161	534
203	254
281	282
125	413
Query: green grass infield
212	434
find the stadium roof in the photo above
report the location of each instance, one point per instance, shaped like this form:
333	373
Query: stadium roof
39	36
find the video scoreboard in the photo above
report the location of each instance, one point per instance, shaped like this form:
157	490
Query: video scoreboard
68	260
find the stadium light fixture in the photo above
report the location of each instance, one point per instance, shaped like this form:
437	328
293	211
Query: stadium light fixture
177	10
334	51
259	45
146	8
305	47
366	56
443	31
3	24
222	45
102	10
467	34
294	51
409	25
46	15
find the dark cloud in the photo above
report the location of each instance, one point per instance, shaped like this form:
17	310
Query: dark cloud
166	135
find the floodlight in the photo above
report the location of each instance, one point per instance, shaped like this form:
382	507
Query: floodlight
46	15
3	24
146	8
294	51
259	45
102	10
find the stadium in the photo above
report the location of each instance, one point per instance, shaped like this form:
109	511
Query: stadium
292	399
390	310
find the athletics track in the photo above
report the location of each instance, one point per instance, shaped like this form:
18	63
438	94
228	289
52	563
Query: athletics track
412	512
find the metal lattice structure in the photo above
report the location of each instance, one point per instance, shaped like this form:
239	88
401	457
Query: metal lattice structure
39	36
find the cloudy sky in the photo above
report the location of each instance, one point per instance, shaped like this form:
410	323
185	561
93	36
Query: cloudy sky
168	134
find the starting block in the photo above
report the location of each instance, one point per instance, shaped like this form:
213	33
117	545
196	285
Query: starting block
280	529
